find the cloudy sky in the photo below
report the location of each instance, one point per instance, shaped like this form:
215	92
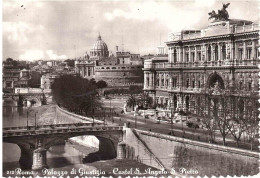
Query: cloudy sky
64	29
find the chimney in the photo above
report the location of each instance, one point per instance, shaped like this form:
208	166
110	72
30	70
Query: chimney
116	48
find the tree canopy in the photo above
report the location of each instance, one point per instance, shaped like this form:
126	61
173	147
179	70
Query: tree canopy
75	94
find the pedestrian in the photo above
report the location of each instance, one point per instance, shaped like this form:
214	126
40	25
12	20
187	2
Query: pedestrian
128	124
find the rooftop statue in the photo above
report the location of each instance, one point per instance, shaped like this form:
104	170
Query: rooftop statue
221	15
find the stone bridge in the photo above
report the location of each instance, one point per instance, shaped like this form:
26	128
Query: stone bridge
34	142
22	99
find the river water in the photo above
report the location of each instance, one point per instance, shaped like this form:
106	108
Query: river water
60	158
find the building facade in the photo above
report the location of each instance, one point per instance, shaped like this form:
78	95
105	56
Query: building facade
222	58
14	77
122	69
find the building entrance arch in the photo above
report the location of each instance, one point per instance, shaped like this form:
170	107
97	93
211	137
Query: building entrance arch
215	80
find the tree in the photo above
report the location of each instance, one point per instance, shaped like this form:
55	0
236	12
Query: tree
132	101
101	84
70	62
222	118
134	89
207	121
93	82
246	117
79	95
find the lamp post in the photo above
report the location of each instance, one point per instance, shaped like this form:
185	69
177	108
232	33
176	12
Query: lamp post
110	107
135	119
27	123
171	118
35	120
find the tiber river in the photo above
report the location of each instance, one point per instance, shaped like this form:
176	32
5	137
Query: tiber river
59	158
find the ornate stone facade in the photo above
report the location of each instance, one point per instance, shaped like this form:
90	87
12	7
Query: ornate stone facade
225	54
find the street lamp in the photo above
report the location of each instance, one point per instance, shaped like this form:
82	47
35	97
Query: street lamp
135	119
35	120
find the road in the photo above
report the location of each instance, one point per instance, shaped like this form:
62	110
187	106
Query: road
163	127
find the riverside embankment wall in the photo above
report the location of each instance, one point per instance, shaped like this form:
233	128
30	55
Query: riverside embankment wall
164	151
203	158
66	117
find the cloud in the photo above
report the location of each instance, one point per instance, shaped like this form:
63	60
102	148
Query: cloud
51	55
32	55
174	17
36	54
20	32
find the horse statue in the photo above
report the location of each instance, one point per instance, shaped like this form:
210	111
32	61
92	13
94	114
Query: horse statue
221	15
213	14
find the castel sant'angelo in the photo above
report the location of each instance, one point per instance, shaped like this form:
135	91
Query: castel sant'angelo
121	69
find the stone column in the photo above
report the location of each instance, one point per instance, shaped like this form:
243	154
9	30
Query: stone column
152	79
253	49
170	54
183	55
213	53
87	70
145	81
26	157
195	55
219	52
205	51
160	80
231	51
39	159
236	52
164	76
189	54
179	54
121	150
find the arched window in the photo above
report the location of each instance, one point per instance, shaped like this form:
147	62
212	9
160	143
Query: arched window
187	103
162	81
187	84
224	51
249	86
241	108
209	53
147	81
240	85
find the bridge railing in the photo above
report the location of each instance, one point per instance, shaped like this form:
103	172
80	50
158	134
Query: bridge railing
53	126
8	132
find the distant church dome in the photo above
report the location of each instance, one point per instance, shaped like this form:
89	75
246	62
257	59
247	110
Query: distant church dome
99	48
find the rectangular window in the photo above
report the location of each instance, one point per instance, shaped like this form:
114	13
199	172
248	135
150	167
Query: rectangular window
199	56
187	57
248	53
240	53
193	84
249	86
192	56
